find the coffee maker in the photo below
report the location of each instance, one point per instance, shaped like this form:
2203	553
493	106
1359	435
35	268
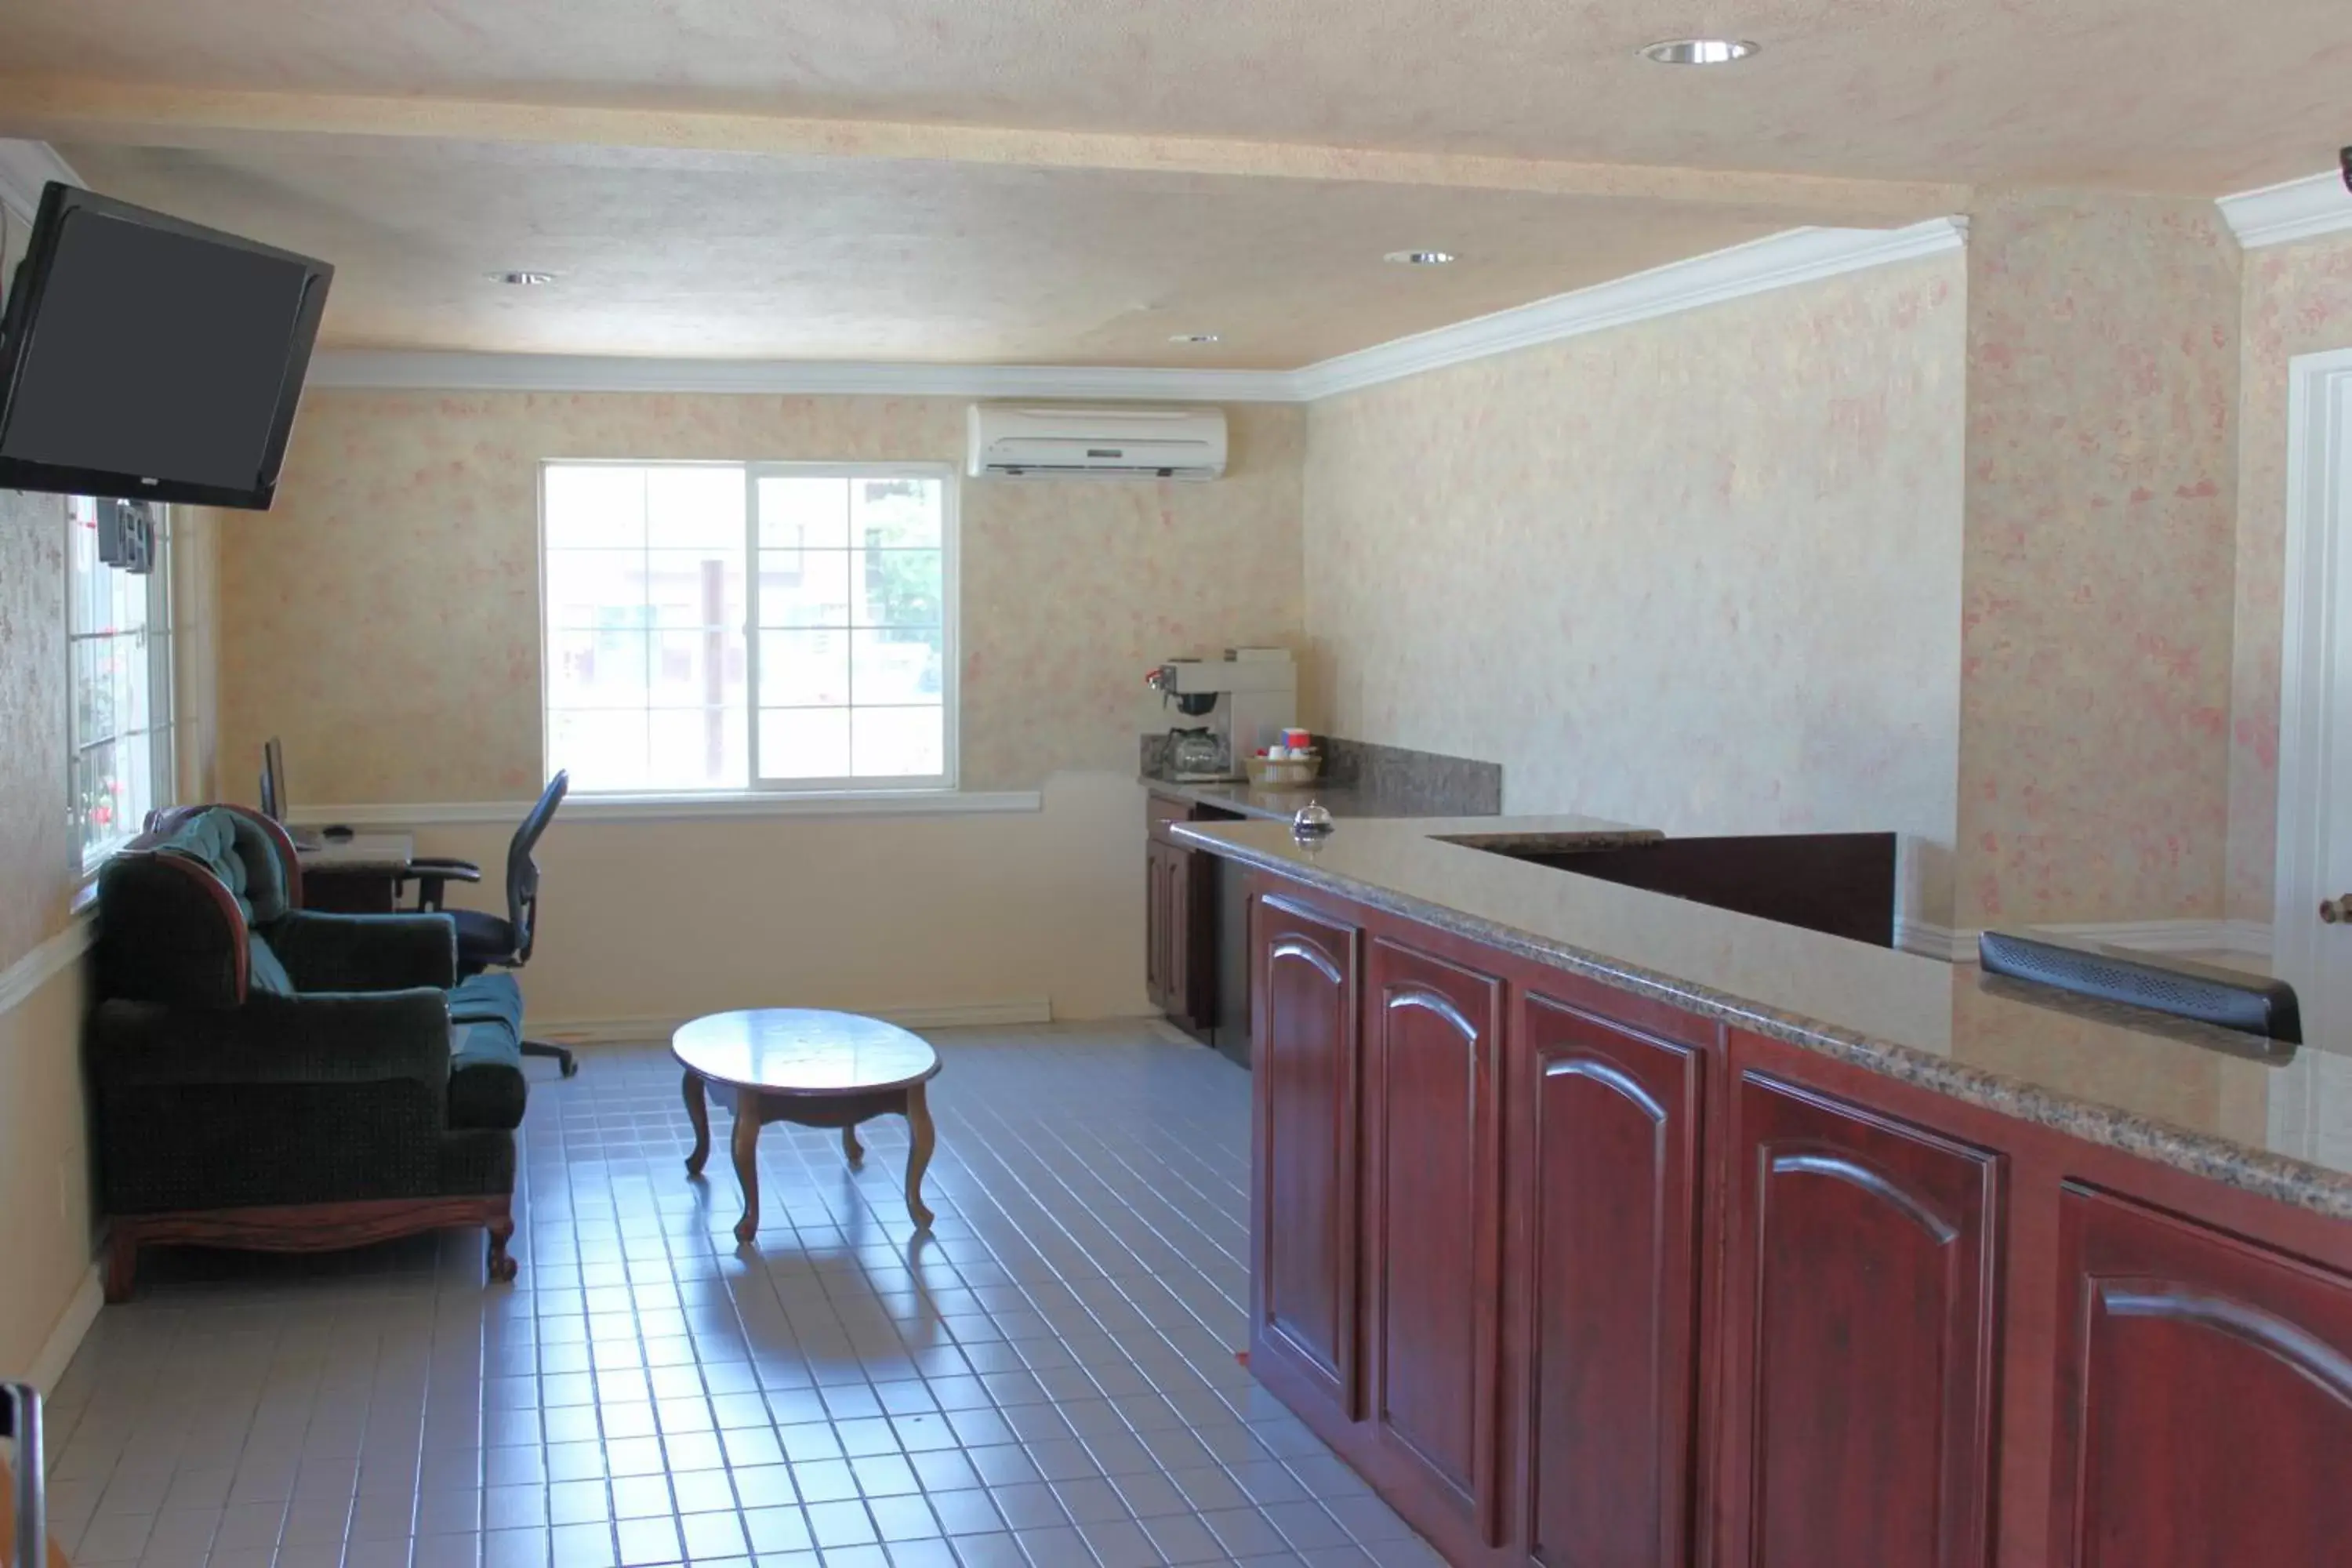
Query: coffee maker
1243	702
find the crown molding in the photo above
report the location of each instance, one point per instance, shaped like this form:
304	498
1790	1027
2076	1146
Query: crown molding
1776	261
402	370
2289	211
24	168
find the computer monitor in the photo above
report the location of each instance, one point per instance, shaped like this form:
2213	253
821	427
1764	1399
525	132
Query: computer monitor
274	803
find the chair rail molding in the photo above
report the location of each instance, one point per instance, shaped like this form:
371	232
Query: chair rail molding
579	807
21	979
2289	211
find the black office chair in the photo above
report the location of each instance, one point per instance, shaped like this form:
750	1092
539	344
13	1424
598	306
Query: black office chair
487	940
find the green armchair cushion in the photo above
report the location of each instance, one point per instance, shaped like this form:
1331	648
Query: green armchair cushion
264	973
486	1088
240	853
366	952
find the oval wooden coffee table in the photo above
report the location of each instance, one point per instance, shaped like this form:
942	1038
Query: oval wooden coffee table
811	1068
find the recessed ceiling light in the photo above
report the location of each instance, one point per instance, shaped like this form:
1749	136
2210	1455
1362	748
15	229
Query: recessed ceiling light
523	280
1193	337
1419	258
1698	51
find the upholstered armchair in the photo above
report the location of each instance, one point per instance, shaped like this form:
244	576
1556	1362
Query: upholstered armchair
271	1077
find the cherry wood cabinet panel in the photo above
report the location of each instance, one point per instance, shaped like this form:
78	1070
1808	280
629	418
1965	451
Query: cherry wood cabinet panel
2204	1396
1861	1338
1305	1208
1604	1141
1184	941
1155	923
1434	1039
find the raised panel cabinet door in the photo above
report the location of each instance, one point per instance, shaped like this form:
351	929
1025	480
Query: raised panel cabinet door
1178	919
1155	925
2204	1396
1433	1154
1305	1210
1860	1333
1604	1180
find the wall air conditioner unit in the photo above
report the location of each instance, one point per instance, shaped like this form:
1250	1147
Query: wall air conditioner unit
1009	441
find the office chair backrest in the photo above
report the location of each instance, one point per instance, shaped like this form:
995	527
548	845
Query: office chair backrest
522	871
273	779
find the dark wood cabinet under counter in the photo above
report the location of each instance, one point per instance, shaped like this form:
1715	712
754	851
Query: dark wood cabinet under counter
1581	1261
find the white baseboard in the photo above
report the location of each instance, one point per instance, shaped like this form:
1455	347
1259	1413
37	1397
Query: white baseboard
2250	938
58	1349
949	1016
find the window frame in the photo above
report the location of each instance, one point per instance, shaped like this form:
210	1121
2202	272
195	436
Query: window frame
853	787
158	639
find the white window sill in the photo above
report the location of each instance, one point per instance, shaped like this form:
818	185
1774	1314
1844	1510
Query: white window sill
687	807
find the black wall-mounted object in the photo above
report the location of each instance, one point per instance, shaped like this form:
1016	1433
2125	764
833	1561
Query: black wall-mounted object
2345	157
151	359
2249	1004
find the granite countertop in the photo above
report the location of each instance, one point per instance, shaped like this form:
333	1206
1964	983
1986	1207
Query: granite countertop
1282	805
2203	1099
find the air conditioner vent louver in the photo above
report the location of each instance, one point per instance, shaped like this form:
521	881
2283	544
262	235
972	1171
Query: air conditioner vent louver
1009	441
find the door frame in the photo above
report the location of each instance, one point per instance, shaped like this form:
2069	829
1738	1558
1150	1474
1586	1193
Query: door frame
2315	600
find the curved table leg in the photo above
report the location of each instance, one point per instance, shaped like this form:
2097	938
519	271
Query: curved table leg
918	1155
851	1146
746	1161
698	1111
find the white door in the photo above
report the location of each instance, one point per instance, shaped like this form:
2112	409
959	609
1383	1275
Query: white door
2312	921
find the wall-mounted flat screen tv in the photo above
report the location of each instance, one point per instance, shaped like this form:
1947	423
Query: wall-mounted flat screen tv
148	358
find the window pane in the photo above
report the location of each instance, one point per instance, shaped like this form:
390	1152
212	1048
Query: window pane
96	785
804	743
695	505
605	751
899	588
90	704
596	588
131	672
134	786
594	504
801	513
696	588
596	670
699	749
898	742
804	669
698	670
896	512
896	667
804	587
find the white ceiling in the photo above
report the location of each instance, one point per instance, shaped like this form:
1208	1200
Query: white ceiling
1071	182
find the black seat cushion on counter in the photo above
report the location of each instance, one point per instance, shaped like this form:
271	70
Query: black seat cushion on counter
2248	1004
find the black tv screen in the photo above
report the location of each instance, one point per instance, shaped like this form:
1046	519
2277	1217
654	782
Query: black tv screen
145	357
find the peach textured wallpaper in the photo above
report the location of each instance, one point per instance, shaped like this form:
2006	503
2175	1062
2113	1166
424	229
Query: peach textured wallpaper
1702	573
2298	301
36	850
2102	402
382	618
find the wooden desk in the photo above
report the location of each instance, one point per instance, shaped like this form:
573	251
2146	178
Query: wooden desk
358	876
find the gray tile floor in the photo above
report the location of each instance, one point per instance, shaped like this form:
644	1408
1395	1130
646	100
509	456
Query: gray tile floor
1048	1379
